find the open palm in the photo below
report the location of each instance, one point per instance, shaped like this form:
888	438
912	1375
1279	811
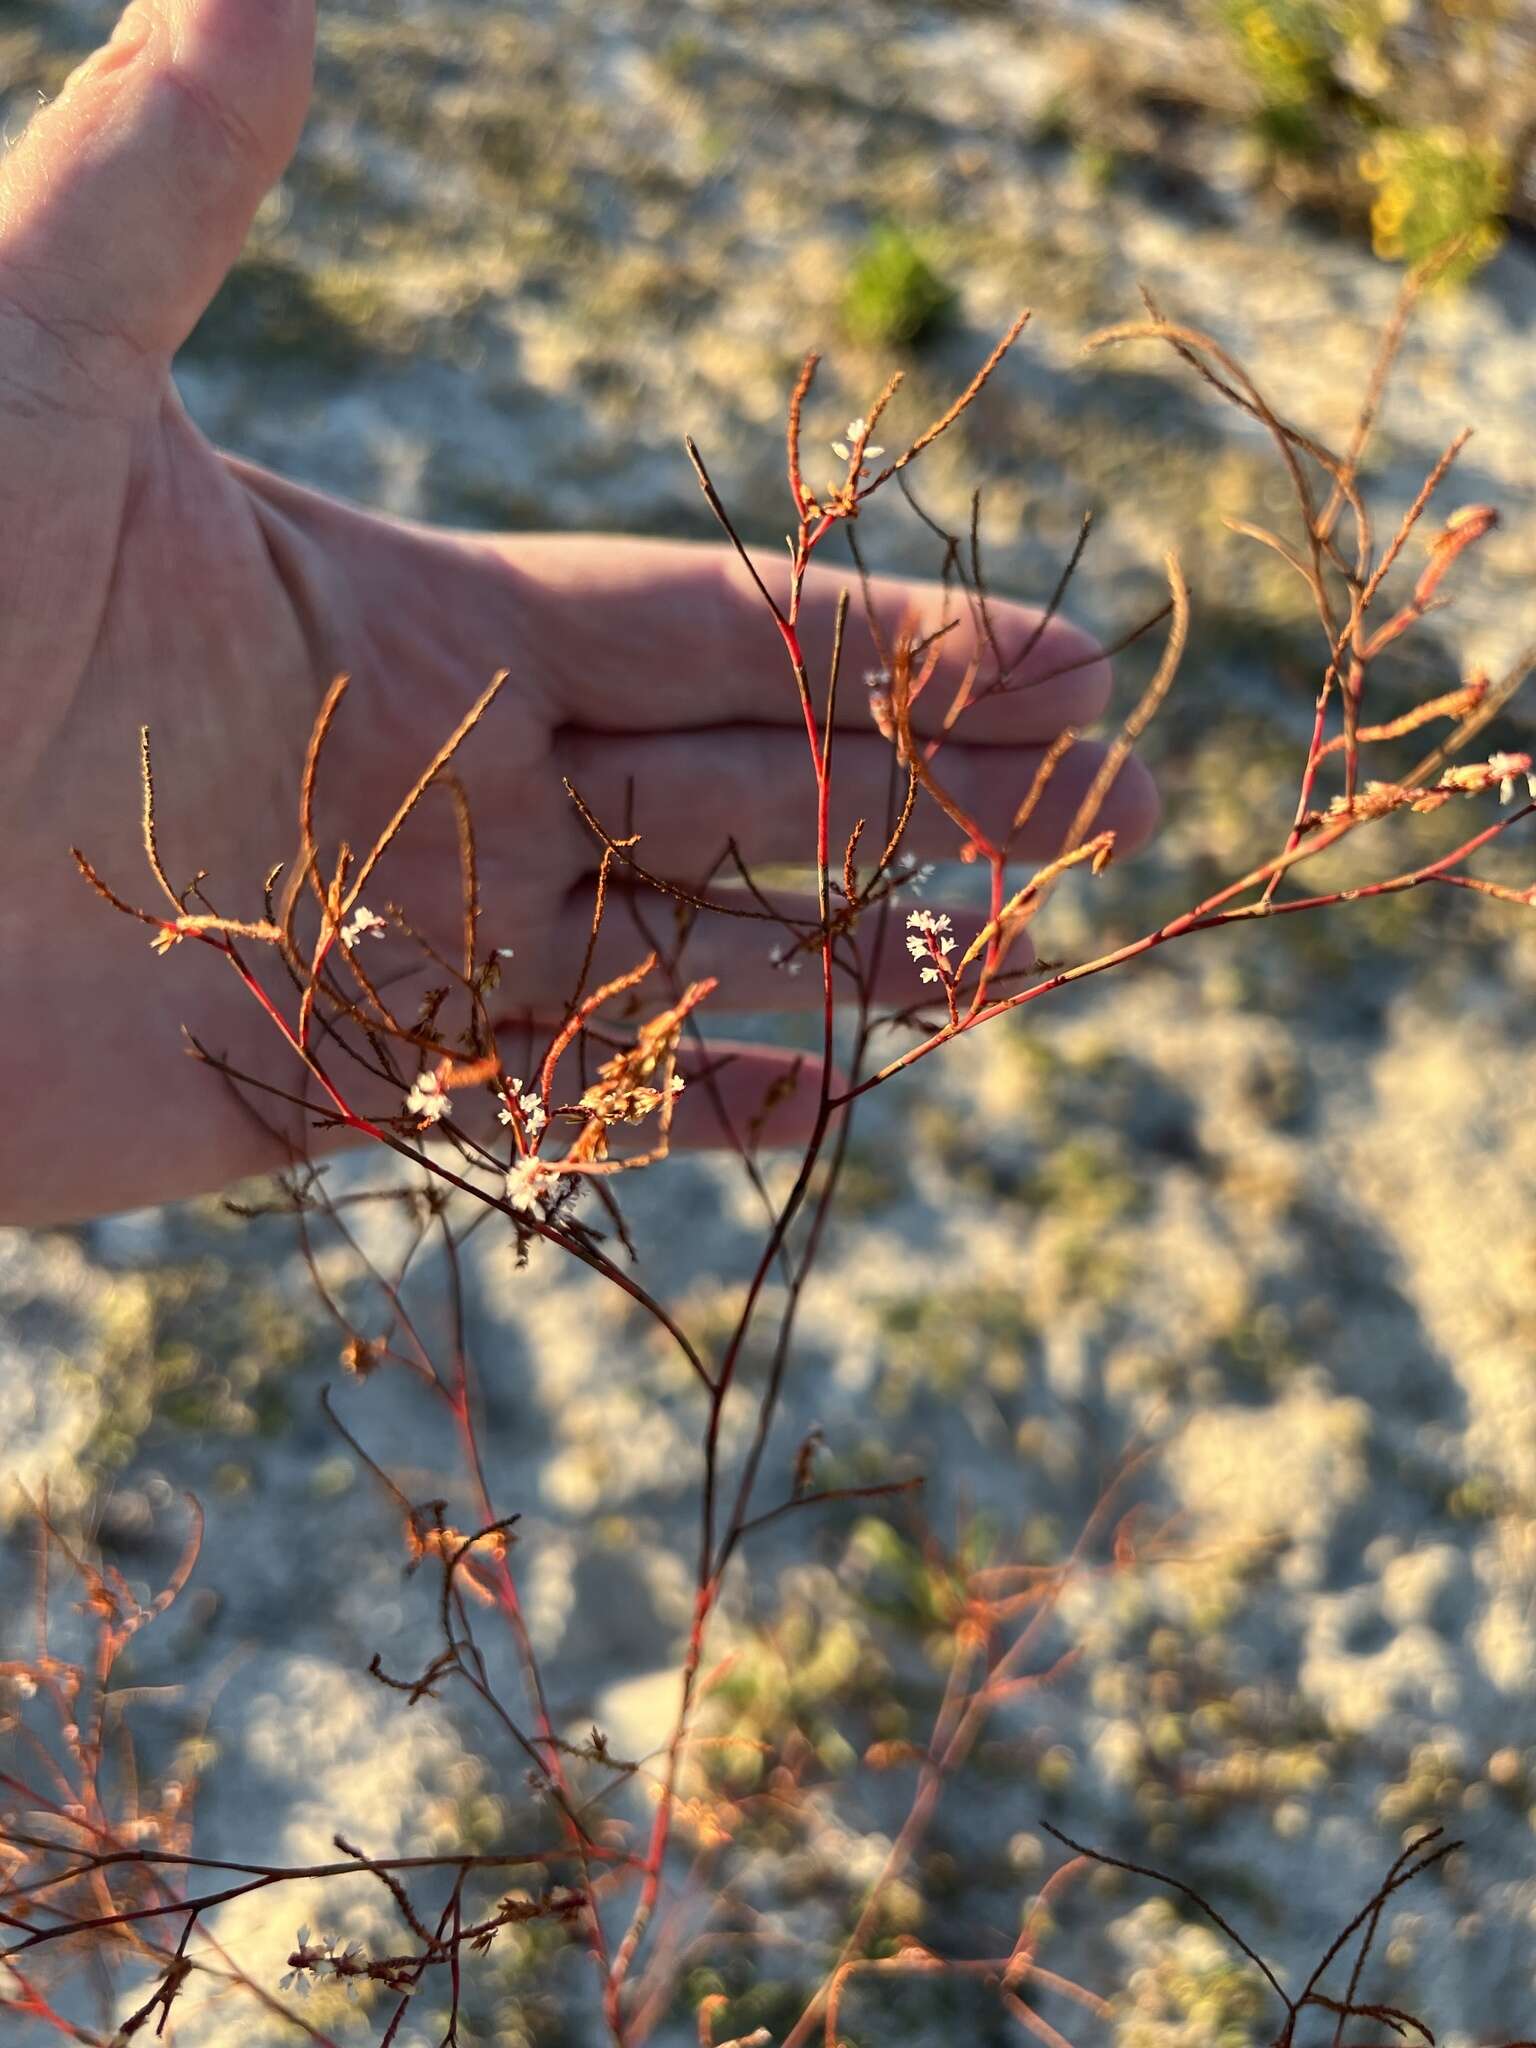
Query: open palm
147	578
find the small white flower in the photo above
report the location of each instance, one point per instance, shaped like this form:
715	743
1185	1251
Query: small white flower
923	925
1508	768
925	939
853	430
530	1187
505	952
530	1109
428	1098
305	1957
362	921
678	1084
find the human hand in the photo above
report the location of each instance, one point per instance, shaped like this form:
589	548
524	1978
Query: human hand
148	579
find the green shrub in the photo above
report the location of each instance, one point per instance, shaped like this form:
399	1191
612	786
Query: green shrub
893	298
1284	45
1436	187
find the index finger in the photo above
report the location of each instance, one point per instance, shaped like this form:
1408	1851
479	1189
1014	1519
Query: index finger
662	636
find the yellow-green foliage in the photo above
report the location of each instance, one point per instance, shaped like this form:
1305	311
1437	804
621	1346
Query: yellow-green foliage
1195	1994
893	298
1436	187
789	1684
938	1340
1333	80
1285	45
922	1594
1303	51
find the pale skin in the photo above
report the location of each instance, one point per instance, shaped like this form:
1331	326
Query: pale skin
148	578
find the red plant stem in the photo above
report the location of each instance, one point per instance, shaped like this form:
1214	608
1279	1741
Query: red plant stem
510	1604
1207	916
1353	692
712	1565
349	1116
709	1569
708	1590
33	2005
957	1725
1308	778
998	863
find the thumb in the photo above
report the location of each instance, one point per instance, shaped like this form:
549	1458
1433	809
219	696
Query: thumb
126	201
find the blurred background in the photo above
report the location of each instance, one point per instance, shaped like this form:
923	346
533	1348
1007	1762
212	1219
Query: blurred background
1271	1197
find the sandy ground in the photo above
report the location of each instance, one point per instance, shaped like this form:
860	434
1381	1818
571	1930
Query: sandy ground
1271	1197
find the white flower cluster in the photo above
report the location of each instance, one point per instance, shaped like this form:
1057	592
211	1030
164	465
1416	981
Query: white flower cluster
309	1955
531	1187
529	1108
1511	768
362	921
843	449
925	930
1471	778
428	1098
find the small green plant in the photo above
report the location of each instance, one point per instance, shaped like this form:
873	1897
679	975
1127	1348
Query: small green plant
1096	165
1437	190
1338	89
1284	45
893	298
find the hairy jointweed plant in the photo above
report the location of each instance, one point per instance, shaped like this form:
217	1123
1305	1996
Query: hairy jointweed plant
97	1865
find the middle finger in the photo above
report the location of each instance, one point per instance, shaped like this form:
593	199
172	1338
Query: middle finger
687	794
